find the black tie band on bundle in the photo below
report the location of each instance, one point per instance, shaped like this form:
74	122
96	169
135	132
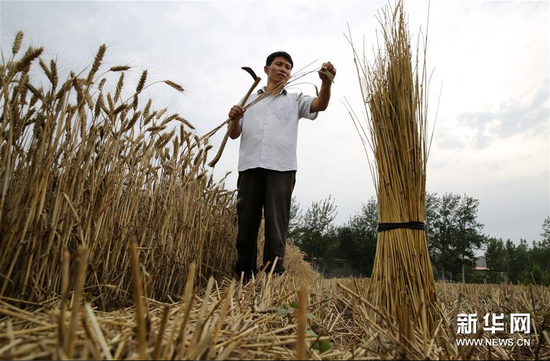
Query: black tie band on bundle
409	225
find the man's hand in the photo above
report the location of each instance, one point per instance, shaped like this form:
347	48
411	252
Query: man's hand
235	114
327	73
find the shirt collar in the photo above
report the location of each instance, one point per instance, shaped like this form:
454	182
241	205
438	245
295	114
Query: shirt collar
262	90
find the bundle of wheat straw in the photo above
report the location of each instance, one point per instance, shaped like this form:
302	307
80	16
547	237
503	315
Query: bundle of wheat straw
394	95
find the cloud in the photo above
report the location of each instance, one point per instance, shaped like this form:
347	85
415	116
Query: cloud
511	119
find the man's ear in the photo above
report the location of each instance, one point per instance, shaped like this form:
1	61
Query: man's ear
266	68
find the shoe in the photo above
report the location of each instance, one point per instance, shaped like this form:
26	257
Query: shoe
276	271
247	277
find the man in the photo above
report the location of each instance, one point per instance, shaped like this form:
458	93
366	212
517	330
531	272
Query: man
268	163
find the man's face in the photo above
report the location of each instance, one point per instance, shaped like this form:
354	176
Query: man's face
279	70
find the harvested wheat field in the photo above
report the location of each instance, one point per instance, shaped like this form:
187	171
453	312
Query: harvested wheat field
270	318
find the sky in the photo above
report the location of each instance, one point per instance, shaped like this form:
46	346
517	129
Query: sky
489	92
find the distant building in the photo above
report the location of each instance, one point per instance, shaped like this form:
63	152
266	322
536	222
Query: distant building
481	264
339	269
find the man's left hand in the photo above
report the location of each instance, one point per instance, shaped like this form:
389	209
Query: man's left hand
327	72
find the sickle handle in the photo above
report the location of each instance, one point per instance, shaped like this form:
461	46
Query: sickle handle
231	125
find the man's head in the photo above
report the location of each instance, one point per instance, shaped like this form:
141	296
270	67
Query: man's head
276	54
278	67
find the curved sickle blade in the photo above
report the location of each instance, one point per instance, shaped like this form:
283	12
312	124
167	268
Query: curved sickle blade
250	71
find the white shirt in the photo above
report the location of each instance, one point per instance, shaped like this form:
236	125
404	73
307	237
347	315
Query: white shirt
270	131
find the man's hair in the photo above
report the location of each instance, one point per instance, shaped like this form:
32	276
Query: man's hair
284	54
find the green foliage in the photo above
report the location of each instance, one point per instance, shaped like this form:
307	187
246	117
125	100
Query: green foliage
546	231
289	310
321	346
545	279
497	260
295	219
357	239
531	274
518	263
453	234
518	260
315	232
473	276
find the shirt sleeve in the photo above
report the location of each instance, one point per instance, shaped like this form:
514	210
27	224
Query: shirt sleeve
304	106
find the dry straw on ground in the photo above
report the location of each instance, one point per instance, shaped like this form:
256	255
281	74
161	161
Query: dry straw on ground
265	319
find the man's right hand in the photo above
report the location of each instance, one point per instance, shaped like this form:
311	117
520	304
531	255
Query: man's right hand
236	112
234	126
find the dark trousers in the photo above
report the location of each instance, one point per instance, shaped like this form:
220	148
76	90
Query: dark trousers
271	191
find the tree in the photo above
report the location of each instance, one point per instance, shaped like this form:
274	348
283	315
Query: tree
453	233
539	257
546	231
518	259
468	236
443	232
540	253
294	219
520	263
433	203
357	239
316	233
496	258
